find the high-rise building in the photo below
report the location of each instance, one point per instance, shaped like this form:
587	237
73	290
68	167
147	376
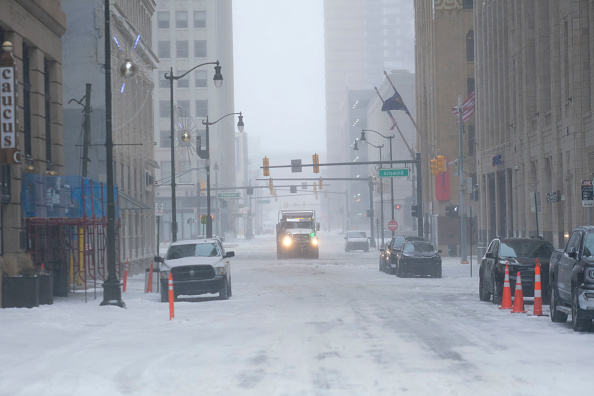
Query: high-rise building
187	34
363	38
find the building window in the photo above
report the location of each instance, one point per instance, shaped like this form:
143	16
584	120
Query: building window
164	49
48	107
200	19
164	109
181	19
163	19
165	170
183	82
200	48
470	46
184	104
165	139
181	49
27	99
467	4
202	108
163	82
185	174
200	78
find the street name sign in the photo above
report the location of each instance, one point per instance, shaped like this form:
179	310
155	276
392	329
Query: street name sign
393	172
229	195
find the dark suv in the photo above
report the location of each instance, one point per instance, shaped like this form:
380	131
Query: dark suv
521	255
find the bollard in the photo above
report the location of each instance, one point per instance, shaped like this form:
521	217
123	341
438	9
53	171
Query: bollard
149	286
171	298
125	276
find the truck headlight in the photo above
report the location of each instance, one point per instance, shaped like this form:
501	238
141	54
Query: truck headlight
314	241
287	241
164	274
220	270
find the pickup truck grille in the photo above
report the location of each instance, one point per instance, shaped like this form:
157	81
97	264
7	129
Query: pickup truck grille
192	272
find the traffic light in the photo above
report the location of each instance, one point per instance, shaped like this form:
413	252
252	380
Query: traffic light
434	166
440	164
397	206
265	164
321	184
316	162
271	186
202	184
414	211
315	189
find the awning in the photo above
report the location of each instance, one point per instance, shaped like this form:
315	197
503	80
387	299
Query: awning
126	202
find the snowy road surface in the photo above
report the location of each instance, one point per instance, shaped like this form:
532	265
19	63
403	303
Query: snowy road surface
333	326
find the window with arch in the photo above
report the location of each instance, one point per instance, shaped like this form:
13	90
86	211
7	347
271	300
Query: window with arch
470	46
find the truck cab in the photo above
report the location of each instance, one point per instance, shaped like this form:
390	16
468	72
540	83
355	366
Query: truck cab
296	234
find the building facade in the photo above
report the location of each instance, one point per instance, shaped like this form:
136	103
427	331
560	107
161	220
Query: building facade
535	133
35	32
445	70
188	34
84	92
363	38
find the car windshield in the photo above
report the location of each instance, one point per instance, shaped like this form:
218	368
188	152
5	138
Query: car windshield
357	234
298	224
193	250
526	249
397	243
419	246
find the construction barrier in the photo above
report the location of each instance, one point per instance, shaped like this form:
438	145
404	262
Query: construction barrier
519	296
537	311
171	297
506	302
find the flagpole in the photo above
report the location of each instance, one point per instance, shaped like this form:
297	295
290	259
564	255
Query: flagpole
412	153
462	211
407	112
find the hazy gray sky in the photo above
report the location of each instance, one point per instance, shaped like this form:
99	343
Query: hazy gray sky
279	73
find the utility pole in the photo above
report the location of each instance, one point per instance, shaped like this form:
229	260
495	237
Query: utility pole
87	131
463	257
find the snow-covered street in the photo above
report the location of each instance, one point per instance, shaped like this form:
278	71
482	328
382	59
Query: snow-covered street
333	326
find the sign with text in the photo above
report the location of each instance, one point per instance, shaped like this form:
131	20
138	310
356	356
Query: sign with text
587	194
393	172
229	195
7	107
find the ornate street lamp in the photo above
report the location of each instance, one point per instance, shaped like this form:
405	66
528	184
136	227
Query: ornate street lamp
218	81
206	156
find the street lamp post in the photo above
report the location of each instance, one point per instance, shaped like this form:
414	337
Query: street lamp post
207	158
356	148
391	179
112	294
218	81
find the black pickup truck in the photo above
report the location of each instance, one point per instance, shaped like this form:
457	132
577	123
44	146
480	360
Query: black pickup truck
571	280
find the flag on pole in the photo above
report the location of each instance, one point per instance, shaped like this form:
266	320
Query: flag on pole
467	108
394	103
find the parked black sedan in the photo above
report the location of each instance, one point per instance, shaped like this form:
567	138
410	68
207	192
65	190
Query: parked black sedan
387	257
521	255
418	258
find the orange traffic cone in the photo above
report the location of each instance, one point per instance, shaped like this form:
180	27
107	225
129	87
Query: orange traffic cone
537	291
506	301
519	296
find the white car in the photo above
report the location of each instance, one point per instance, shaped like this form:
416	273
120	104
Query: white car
197	266
356	240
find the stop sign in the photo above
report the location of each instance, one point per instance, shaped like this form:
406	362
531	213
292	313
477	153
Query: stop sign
392	225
